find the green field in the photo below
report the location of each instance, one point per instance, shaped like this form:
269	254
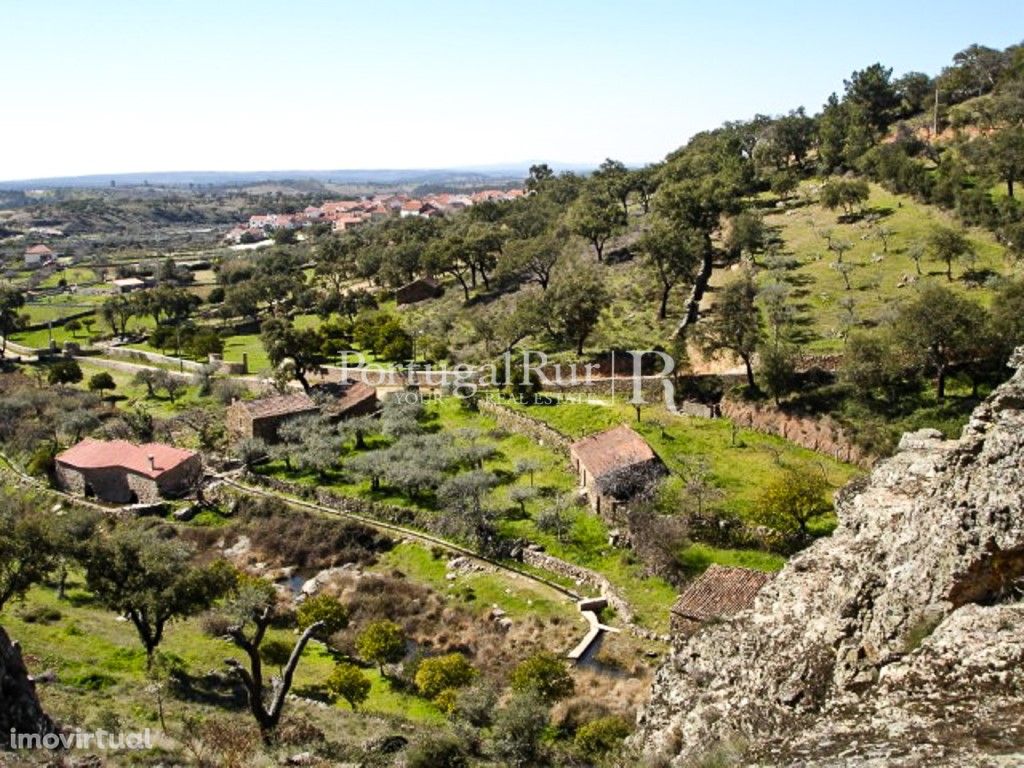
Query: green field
740	469
821	299
90	650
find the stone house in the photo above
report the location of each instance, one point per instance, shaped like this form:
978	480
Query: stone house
721	591
614	466
120	472
262	418
420	289
36	255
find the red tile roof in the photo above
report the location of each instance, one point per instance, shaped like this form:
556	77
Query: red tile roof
612	449
720	591
101	454
41	249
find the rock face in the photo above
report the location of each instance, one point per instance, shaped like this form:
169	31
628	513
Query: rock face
896	642
19	708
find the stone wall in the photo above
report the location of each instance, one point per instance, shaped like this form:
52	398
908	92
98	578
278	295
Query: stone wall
822	435
514	421
581	576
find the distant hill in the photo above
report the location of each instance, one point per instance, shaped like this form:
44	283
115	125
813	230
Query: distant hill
470	176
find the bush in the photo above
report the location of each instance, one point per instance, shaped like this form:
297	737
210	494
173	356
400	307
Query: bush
323	608
382	642
348	682
544	675
436	751
440	673
600	736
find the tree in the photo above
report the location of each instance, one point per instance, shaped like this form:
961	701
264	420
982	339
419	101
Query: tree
441	673
64	372
152	580
250	450
617	181
521	494
575	301
118	311
595	217
382	642
1008	317
778	369
27	553
246	618
874	96
518	729
148	377
101	382
939	328
871	361
527	466
674	253
791	500
747	234
545	675
302	348
450	255
947	246
735	324
11	301
171	384
73	326
557	518
536	256
348	682
324	612
845	193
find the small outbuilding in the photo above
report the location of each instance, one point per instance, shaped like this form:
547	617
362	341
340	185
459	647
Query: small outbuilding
346	399
262	418
37	255
721	591
120	472
420	289
614	467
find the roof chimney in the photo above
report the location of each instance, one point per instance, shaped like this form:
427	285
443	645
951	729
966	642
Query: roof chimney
152	462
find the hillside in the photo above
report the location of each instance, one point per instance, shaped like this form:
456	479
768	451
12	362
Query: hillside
894	640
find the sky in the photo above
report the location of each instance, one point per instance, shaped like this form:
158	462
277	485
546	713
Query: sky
164	85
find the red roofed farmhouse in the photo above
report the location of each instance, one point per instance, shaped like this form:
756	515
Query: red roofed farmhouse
717	593
124	473
613	466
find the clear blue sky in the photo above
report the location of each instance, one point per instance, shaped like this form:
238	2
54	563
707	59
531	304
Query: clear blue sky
142	85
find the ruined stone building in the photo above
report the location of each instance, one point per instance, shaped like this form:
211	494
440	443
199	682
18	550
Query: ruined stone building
614	466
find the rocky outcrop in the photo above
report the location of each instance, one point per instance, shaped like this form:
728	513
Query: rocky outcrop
20	710
896	642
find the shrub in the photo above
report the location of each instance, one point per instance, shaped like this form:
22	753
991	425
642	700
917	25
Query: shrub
601	736
323	608
382	642
544	675
348	682
439	673
436	751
